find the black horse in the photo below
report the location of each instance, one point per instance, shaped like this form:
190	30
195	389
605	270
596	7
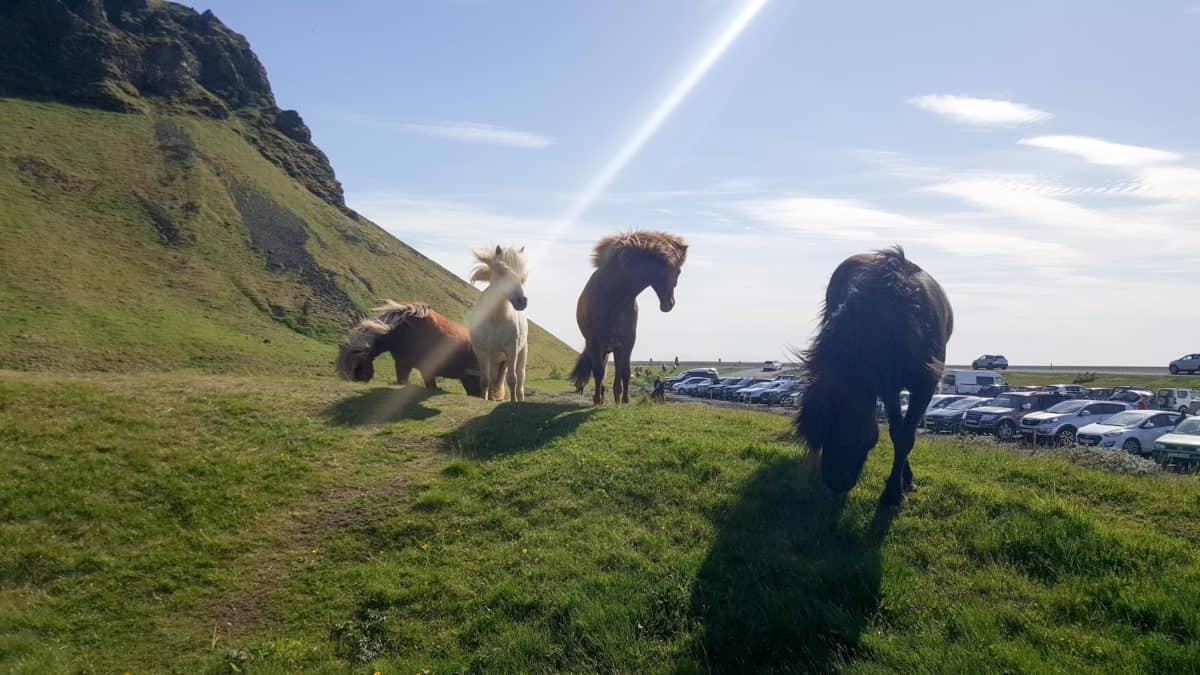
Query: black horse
884	328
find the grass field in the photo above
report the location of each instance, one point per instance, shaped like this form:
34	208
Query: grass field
127	247
206	524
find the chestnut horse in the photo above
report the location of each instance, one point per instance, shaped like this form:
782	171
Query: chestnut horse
417	337
884	328
607	311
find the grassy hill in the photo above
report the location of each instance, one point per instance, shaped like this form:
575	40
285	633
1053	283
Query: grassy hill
150	242
203	524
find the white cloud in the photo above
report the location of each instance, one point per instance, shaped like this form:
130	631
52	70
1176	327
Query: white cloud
1100	151
471	132
482	133
980	111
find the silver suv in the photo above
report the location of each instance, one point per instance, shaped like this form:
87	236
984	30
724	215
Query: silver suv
990	362
1061	421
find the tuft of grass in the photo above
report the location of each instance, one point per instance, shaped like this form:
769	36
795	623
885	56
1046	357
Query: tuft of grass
277	525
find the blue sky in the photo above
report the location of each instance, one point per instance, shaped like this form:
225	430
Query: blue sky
1040	159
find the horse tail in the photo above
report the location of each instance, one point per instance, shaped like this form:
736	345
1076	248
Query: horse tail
583	369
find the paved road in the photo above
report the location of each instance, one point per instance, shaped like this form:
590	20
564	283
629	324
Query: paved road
1073	370
748	369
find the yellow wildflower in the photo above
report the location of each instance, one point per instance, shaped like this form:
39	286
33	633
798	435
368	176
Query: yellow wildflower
424	547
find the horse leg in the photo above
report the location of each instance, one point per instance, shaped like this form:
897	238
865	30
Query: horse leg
511	380
485	377
622	357
522	356
403	371
903	431
430	380
599	363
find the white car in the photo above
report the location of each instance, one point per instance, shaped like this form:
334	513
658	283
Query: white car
744	393
1181	446
1179	400
1062	421
1134	431
689	384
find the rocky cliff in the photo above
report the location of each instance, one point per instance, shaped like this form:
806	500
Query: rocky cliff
143	56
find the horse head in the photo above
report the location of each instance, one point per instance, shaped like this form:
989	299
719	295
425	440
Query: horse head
652	258
504	268
356	358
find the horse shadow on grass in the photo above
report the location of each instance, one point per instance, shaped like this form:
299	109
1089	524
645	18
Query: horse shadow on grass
383	405
793	577
510	428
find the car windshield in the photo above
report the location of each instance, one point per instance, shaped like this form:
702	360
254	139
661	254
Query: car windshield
1125	419
1190	426
1068	407
1008	401
963	404
1166	393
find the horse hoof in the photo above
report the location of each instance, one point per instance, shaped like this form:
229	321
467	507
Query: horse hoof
910	487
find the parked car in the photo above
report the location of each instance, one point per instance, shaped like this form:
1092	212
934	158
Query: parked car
707	392
1003	416
725	392
688	386
994	390
1098	393
1181	446
710	373
1179	400
775	396
968	381
1061	421
1140	398
990	362
1185	364
771	366
743	394
793	399
775	387
948	418
1134	431
1072	390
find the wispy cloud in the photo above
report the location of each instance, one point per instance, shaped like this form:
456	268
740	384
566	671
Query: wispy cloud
482	133
1100	151
979	111
470	132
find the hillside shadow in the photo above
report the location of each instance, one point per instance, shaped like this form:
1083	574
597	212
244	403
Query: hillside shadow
515	427
791	581
383	405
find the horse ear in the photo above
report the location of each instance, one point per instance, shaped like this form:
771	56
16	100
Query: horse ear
522	249
498	251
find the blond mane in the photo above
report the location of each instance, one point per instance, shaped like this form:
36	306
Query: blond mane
391	315
670	248
503	258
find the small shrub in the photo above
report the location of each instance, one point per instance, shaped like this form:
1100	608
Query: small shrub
1084	378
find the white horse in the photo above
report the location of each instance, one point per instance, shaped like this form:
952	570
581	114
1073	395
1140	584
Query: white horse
499	330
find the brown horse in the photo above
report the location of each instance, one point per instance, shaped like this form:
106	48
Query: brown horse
607	311
417	337
884	329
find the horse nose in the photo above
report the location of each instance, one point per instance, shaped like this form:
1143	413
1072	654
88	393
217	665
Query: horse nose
520	303
668	304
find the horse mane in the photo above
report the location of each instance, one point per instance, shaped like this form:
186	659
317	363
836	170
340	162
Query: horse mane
512	259
853	307
669	248
391	315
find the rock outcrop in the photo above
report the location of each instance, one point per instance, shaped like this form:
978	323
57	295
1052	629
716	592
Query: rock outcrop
140	56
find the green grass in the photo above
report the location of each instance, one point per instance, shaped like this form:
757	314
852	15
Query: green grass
88	284
197	524
1148	382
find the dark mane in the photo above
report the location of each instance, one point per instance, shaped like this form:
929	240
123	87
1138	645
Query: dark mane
669	248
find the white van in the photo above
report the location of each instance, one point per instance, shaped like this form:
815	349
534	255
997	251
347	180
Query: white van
968	381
